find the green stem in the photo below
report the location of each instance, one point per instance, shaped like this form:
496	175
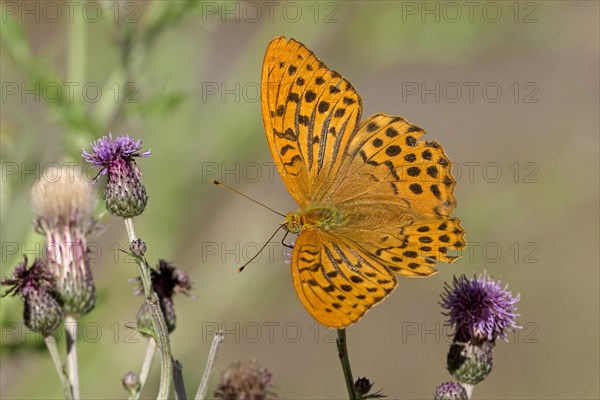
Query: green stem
72	363
60	368
210	365
345	360
468	388
158	319
145	371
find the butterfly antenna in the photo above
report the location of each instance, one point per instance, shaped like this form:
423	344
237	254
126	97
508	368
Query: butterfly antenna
248	197
240	269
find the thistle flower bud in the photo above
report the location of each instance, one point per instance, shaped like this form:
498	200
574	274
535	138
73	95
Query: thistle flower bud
131	383
137	248
167	280
244	380
125	195
450	391
144	319
362	386
42	313
64	214
469	362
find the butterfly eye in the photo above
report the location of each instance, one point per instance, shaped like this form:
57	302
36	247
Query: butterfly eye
293	227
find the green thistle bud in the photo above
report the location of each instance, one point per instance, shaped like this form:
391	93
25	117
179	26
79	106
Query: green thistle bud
131	383
470	362
137	248
125	196
144	316
144	319
42	313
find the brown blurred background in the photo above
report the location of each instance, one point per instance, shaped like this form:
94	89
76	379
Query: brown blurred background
511	90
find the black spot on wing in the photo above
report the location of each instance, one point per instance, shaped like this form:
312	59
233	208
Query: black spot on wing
285	149
289	134
294	160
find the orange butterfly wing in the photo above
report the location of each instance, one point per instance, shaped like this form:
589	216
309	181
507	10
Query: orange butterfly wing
310	114
336	281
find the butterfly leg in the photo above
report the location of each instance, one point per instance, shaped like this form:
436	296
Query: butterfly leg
289	246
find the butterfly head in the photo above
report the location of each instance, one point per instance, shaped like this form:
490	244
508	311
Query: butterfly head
292	222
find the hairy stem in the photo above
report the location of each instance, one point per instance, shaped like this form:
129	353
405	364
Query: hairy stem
146	365
60	368
72	364
210	365
468	388
158	319
345	360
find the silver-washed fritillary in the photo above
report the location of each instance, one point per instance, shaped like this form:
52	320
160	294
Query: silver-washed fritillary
375	201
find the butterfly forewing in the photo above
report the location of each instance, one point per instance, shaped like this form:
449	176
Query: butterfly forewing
388	164
310	115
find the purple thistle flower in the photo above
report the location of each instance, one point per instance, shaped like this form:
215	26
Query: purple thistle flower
25	280
106	151
479	308
124	195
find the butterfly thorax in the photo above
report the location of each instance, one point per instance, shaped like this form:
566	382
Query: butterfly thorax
313	217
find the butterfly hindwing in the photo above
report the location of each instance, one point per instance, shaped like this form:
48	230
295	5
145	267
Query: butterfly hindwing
336	281
310	115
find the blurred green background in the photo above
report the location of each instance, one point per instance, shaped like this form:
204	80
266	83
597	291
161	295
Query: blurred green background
524	143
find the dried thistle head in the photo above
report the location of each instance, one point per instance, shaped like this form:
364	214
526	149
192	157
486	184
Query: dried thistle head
244	380
68	200
167	280
64	210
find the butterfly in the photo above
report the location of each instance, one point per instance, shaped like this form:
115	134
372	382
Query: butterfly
375	201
